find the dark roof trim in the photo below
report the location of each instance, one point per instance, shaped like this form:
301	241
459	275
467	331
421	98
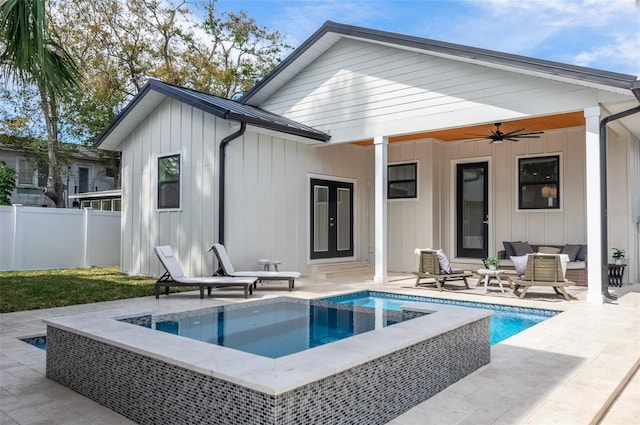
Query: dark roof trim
592	75
219	107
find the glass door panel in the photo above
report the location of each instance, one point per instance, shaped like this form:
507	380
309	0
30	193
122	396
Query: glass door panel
331	219
472	210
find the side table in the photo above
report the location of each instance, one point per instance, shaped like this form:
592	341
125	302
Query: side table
266	263
616	271
488	275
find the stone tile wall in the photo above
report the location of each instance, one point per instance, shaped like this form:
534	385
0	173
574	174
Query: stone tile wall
149	391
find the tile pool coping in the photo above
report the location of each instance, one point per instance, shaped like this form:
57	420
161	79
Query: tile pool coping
269	376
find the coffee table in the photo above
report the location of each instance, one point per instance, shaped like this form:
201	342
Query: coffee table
491	274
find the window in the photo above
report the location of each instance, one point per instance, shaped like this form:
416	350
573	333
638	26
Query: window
539	183
169	181
83	179
26	172
402	181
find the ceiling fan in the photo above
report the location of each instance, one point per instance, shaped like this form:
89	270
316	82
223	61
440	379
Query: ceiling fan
498	136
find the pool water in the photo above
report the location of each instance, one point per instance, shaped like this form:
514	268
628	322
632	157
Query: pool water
505	322
277	328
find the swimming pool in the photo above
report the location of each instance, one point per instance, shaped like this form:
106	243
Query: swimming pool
373	376
506	321
276	329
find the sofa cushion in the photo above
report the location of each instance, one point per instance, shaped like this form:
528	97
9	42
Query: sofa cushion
571	250
445	265
520	263
582	254
508	248
576	265
549	250
521	248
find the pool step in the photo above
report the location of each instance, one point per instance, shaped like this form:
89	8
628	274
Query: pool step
336	270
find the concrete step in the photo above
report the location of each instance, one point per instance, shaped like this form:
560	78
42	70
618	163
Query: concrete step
334	270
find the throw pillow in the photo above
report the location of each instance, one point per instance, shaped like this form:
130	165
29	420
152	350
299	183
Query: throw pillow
445	266
520	263
508	248
549	250
571	251
582	254
522	248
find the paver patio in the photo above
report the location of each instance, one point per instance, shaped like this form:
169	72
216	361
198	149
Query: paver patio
566	370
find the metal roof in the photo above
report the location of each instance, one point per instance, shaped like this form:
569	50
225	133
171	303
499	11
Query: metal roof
331	32
156	91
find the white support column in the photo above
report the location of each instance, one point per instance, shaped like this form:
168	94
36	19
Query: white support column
594	206
380	145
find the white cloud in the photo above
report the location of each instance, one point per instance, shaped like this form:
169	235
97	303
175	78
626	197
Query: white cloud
624	54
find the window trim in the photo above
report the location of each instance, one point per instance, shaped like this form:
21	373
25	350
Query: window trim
560	183
34	176
180	178
417	179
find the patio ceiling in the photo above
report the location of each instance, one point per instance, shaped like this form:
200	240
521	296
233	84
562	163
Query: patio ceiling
571	119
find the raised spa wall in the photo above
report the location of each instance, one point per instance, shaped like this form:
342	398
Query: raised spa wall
358	380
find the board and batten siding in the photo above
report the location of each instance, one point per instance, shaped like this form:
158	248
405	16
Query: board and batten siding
506	223
357	90
172	128
267	204
267	197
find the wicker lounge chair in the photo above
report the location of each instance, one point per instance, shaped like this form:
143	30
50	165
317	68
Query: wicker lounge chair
174	276
429	268
542	270
227	269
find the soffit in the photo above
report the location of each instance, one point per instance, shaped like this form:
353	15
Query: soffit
571	119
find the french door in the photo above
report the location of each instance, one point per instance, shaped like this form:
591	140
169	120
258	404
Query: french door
331	219
472	210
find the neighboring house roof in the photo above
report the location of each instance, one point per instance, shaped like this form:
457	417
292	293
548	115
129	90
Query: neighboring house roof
331	32
154	92
81	153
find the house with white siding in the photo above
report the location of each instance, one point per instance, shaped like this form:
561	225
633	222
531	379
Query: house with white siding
364	145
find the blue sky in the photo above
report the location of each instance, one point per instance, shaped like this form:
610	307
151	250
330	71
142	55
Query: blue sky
603	34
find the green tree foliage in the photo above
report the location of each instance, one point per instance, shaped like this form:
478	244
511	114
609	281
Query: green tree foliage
118	45
33	58
7	183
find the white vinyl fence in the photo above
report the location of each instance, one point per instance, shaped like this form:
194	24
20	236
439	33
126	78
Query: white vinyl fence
49	238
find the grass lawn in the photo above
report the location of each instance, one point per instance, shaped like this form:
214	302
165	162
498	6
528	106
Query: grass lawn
56	288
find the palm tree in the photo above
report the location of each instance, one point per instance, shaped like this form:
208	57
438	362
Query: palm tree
31	56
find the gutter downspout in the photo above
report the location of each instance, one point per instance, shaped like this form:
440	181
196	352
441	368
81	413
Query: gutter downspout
221	178
603	193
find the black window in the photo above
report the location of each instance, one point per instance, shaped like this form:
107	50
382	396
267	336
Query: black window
169	181
402	181
539	183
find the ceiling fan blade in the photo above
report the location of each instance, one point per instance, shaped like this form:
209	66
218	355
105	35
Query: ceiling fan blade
526	136
477	140
529	133
510	133
511	139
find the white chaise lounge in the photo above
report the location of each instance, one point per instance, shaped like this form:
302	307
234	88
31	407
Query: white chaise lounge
175	277
228	269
